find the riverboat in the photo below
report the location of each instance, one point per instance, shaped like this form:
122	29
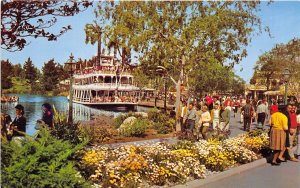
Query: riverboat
108	84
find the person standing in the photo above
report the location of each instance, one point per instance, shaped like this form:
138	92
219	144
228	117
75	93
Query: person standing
181	114
215	116
197	123
47	116
262	113
224	118
297	153
204	121
190	119
228	103
278	136
274	107
18	126
292	132
286	112
247	112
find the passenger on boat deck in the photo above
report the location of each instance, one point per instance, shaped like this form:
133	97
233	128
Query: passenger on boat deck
117	99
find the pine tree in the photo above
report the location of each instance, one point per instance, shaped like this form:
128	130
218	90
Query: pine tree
30	71
50	76
18	70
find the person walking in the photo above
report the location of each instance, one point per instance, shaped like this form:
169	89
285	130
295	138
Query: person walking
262	114
215	116
204	122
247	112
235	107
278	136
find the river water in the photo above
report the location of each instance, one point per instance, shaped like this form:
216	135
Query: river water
33	111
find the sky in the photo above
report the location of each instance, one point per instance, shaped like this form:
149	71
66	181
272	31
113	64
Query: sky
282	17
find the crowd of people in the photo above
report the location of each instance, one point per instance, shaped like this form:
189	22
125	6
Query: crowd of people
283	121
132	99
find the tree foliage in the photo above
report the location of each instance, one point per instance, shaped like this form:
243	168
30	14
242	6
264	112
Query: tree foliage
30	71
18	70
183	36
140	78
6	74
93	34
50	75
210	31
270	65
22	19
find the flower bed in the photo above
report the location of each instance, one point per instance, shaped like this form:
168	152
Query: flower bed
168	164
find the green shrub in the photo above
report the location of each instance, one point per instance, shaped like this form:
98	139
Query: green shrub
40	163
73	132
138	128
153	115
163	123
100	133
119	120
164	128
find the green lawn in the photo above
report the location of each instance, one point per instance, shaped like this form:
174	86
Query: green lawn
19	86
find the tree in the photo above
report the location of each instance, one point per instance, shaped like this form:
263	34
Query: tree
270	65
140	79
181	35
18	70
93	34
30	71
50	75
6	70
22	19
238	85
62	73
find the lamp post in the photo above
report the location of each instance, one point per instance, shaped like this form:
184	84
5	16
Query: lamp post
163	71
286	77
70	65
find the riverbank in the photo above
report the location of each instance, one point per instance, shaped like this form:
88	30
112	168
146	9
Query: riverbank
22	86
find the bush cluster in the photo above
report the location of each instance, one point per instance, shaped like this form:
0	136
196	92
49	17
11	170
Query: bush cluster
137	128
120	118
73	132
44	162
161	122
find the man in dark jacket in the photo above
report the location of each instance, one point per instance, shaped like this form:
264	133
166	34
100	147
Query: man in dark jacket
18	126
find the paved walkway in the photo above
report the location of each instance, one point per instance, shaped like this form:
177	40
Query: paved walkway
236	127
265	176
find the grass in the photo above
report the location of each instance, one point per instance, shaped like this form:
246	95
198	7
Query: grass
19	85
